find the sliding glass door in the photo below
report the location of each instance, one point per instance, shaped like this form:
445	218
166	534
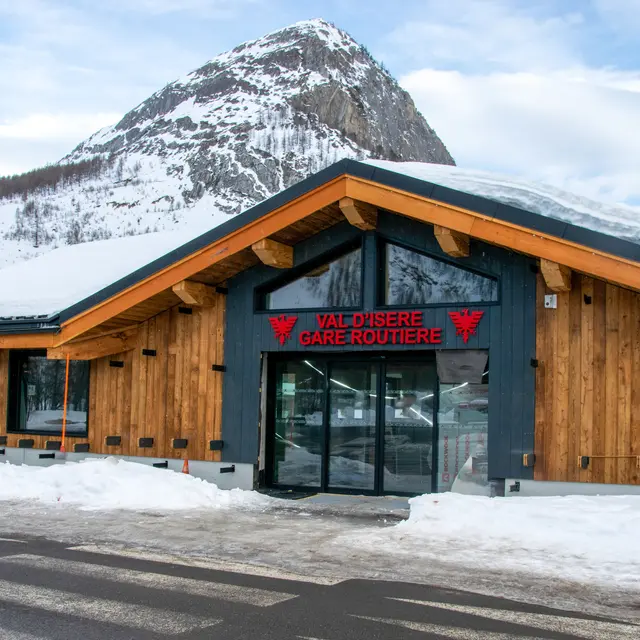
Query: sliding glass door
352	426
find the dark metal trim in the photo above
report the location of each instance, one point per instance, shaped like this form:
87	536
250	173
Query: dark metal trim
112	441
216	445
161	465
118	364
145	443
218	367
149	352
50	456
230	469
81	447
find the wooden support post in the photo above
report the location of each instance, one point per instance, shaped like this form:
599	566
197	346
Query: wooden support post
453	243
196	294
274	254
359	214
98	347
557	276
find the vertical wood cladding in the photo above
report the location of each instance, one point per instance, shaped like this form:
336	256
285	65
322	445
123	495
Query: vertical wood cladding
174	394
588	383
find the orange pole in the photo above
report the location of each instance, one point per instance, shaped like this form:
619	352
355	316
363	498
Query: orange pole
64	405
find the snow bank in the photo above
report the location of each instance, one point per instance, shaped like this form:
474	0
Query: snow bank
110	483
615	220
586	538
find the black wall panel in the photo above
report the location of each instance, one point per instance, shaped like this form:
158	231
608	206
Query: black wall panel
507	330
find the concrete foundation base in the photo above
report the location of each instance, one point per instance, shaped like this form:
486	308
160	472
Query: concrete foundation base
240	478
516	488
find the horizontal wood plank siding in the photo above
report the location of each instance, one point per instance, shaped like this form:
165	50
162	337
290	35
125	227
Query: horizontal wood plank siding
588	383
174	394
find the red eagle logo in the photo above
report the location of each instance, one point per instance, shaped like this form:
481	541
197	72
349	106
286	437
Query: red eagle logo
466	322
282	326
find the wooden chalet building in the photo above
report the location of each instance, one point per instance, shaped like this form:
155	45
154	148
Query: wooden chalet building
362	331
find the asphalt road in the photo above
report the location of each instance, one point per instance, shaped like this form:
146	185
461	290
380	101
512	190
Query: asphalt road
49	590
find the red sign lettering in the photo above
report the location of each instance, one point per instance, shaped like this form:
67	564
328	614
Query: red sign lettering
374	328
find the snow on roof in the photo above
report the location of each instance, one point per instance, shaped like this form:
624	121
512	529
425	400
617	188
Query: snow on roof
615	220
56	280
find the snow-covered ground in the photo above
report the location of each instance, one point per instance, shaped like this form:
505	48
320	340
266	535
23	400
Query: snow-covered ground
111	483
576	553
589	539
586	540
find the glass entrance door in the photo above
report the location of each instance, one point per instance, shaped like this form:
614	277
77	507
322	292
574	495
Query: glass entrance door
352	426
298	438
409	400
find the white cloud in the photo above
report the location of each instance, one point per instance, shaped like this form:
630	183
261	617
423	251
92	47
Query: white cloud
509	90
212	9
488	34
47	126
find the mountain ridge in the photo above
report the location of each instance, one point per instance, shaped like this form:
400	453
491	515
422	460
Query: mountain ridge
247	124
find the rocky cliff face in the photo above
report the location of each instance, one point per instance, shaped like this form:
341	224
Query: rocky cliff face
245	125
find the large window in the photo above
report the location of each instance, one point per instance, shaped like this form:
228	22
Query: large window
334	284
36	397
413	278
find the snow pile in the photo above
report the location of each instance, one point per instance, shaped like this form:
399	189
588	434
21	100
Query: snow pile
585	538
56	280
110	483
615	220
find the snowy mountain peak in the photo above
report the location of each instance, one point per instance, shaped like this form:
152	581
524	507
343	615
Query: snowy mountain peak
245	125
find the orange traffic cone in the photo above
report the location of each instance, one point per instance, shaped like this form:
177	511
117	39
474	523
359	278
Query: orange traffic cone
185	466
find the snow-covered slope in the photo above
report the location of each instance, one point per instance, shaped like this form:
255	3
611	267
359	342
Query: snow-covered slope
618	221
244	126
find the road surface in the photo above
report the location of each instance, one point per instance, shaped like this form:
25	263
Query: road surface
55	591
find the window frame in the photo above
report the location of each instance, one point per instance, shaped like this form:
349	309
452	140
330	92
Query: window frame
297	272
13	397
380	284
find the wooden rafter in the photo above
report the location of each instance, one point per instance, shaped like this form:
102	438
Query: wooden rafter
106	345
359	214
196	294
556	276
274	254
590	261
453	243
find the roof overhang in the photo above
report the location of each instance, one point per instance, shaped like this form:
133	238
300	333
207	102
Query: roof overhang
586	251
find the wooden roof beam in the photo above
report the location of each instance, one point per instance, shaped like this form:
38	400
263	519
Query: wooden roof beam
274	254
93	348
557	276
359	214
196	294
453	243
27	341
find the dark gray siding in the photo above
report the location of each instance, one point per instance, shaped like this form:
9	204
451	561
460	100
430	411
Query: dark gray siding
507	330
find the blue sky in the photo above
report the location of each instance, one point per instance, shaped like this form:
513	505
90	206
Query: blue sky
544	89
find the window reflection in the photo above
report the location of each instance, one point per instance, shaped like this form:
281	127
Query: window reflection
334	284
37	394
414	278
298	424
463	415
